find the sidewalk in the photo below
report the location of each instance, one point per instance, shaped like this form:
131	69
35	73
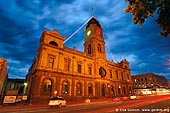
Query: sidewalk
34	105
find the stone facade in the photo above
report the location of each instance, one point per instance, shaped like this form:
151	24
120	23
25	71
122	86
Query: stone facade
72	74
149	80
3	74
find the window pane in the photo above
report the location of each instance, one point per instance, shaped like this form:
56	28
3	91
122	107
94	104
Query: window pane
65	88
51	62
90	90
78	89
90	70
79	68
47	86
67	65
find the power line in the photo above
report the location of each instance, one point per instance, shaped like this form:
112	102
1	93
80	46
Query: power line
78	30
109	49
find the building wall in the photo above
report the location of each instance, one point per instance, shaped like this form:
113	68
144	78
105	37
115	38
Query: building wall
15	85
3	74
149	80
57	69
149	83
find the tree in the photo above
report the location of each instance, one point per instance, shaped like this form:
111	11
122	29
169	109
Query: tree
142	9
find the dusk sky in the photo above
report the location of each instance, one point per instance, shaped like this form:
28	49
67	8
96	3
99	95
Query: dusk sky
23	21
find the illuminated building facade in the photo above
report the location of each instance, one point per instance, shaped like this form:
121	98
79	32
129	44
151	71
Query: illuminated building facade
3	74
149	83
75	75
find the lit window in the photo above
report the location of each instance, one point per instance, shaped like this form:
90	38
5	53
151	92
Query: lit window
90	90
119	92
112	90
135	80
46	86
65	88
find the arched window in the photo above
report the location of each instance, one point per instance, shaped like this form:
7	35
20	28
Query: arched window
46	86
65	88
99	48
124	90
90	89
78	88
130	90
112	90
119	90
53	43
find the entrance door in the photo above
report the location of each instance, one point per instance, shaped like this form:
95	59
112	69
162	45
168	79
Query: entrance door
103	90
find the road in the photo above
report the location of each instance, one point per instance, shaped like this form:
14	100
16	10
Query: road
151	104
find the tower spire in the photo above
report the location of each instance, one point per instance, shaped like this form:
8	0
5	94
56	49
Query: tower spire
92	11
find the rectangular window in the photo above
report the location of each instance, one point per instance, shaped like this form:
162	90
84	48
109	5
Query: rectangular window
67	65
79	68
51	61
117	77
110	74
122	76
90	70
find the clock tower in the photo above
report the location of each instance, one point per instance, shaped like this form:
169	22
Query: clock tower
94	44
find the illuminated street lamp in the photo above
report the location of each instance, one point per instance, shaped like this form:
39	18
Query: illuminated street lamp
25	86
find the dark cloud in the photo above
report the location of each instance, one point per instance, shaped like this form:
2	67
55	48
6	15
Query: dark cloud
23	21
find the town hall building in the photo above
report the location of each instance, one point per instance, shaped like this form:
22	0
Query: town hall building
61	71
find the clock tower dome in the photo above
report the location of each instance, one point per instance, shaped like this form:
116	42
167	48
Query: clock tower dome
94	44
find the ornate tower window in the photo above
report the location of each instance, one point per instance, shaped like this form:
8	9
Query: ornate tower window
99	48
89	49
51	61
53	43
46	86
65	87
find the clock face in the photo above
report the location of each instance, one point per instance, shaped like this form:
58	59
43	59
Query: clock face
88	32
98	32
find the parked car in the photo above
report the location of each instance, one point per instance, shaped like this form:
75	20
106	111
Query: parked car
57	101
132	97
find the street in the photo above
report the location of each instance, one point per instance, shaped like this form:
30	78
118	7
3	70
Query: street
150	104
